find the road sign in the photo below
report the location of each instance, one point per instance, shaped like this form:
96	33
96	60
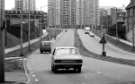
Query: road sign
103	41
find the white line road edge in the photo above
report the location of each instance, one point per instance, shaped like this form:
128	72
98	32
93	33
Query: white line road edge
29	74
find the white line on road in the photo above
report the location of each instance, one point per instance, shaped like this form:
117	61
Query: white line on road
26	71
99	72
33	75
36	80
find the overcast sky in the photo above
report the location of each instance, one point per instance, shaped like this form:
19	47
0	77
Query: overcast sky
42	4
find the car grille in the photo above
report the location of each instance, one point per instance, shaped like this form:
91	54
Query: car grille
68	61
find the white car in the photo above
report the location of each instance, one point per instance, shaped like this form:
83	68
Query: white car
66	58
91	34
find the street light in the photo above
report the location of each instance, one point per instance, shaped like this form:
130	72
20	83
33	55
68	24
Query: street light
21	39
103	42
2	75
117	36
29	29
133	37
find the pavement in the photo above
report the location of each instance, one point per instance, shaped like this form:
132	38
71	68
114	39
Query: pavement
17	76
93	45
93	71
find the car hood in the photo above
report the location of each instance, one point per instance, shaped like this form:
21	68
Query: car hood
72	57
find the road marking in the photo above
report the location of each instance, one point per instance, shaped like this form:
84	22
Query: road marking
33	75
36	80
99	72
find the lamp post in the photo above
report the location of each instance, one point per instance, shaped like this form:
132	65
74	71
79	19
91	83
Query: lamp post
103	48
103	42
117	37
133	31
29	29
21	40
133	37
2	75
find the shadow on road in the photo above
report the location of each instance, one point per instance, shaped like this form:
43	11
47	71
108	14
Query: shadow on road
65	72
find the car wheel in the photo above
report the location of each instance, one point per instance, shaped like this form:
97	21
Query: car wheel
53	69
41	52
78	70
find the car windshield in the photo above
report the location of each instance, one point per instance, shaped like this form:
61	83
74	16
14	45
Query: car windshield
45	43
62	51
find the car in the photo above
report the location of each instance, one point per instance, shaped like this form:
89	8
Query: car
87	29
86	32
91	34
45	46
66	58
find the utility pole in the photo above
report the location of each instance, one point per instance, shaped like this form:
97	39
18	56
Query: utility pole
29	29
117	36
21	34
133	37
133	32
2	54
103	42
2	75
117	31
21	39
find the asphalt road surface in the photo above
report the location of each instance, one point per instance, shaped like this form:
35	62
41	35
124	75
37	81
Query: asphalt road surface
93	71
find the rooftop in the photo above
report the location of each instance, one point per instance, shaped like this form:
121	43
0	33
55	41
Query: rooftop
131	4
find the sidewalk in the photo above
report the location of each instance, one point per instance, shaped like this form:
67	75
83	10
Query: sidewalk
97	48
15	76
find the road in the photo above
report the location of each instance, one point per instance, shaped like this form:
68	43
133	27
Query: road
93	71
93	45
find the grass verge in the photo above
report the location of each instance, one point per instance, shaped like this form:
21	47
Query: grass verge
117	43
16	65
88	53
